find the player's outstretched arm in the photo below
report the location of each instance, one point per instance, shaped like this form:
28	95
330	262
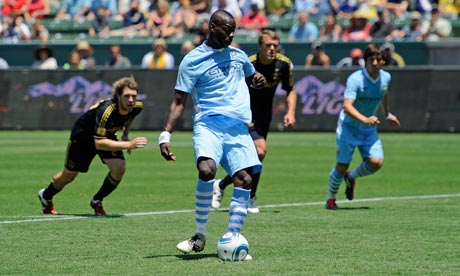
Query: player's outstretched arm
111	145
175	112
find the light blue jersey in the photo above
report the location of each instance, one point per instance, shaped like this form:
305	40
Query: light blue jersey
216	80
367	93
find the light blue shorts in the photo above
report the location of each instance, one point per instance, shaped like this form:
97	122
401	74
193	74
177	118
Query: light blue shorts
367	141
227	142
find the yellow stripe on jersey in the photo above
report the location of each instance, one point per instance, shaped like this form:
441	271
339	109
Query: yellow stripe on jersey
106	114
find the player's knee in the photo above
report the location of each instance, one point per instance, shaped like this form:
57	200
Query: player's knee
117	172
206	169
242	179
375	163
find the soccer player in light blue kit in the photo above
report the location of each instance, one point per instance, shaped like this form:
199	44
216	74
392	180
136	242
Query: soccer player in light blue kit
365	90
216	75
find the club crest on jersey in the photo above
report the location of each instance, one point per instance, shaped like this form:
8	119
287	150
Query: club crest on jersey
233	54
101	131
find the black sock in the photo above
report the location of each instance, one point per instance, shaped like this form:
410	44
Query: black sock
254	183
107	188
50	191
225	182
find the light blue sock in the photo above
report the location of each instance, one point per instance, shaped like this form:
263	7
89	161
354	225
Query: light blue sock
335	179
362	170
238	209
203	199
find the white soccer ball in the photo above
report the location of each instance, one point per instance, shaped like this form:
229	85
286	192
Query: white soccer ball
232	247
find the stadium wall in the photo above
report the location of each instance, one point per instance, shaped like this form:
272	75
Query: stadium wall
414	53
426	99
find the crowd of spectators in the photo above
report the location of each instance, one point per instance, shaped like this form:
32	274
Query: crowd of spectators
311	20
326	20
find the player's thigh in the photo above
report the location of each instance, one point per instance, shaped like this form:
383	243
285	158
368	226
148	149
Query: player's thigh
346	143
79	155
372	147
207	142
240	151
115	161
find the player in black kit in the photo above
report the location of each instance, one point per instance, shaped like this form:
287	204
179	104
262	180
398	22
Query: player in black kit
276	68
94	133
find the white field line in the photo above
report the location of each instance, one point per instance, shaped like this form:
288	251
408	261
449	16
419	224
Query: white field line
46	218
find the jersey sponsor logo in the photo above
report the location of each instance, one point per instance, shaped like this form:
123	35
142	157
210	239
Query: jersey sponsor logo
226	69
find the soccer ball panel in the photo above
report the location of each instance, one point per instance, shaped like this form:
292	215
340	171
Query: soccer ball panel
232	247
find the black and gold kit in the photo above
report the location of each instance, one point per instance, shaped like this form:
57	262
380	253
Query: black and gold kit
262	99
102	120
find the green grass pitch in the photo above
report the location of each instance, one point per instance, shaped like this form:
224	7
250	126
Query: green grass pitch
404	220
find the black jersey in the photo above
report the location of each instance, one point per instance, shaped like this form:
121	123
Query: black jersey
103	120
276	72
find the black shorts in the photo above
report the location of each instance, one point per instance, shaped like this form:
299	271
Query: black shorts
80	153
259	130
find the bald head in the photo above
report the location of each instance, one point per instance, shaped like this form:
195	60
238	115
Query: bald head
221	29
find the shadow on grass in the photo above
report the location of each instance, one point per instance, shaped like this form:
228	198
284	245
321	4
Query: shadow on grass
90	215
352	208
185	257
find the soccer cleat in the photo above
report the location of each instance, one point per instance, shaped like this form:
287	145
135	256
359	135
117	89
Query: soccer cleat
98	209
350	189
195	243
330	204
217	194
47	205
252	206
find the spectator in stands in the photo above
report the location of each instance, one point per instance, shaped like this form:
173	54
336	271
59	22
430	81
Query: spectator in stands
411	32
331	30
184	17
202	33
117	60
245	5
159	58
75	10
3	64
318	56
277	8
392	58
39	31
255	19
86	52
134	21
12	7
303	30
110	8
436	28
325	7
229	5
15	30
74	62
36	9
347	8
186	47
425	7
160	20
305	6
359	28
202	8
383	27
397	8
449	8
100	26
44	58
355	59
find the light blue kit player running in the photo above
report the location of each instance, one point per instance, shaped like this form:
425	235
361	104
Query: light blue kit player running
216	75
365	90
